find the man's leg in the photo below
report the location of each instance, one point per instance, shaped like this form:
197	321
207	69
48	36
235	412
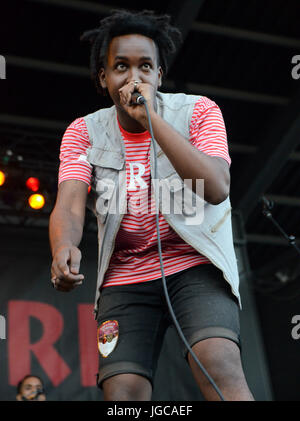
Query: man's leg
127	387
136	311
221	359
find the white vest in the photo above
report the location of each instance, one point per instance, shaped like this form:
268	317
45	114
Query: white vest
212	237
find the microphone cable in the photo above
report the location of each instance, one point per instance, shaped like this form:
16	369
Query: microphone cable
142	101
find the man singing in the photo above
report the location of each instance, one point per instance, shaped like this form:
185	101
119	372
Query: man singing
111	150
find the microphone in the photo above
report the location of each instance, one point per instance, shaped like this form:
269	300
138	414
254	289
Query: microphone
137	98
39	391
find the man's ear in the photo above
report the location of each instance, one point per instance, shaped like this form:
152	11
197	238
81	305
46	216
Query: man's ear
160	75
102	78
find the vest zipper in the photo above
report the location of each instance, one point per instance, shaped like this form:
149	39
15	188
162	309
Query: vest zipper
96	308
221	221
113	242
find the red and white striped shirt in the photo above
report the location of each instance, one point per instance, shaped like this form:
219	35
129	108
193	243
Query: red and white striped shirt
135	257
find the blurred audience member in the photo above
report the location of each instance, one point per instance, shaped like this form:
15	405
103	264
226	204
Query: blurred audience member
30	388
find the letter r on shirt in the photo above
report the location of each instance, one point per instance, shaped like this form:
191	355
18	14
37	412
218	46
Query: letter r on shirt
136	177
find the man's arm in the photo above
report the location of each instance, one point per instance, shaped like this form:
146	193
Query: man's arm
65	233
188	161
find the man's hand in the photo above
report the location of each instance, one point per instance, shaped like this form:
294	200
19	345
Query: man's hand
65	274
137	111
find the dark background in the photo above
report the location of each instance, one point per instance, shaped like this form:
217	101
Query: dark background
237	53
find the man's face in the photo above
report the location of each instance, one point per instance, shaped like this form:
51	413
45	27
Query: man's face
130	58
30	388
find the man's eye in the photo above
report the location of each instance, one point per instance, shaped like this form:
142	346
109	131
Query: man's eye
147	66
120	66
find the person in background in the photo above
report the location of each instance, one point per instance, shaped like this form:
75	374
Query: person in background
30	388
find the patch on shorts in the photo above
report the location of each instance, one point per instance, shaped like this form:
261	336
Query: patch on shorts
107	337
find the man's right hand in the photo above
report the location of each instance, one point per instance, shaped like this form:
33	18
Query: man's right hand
65	274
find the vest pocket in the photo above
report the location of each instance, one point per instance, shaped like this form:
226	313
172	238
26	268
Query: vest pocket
105	158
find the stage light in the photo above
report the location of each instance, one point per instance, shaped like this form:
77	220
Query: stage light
2	178
36	201
33	184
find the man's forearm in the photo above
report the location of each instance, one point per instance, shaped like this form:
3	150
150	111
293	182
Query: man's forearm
65	228
190	163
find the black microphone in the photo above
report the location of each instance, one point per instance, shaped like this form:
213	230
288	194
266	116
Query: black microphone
39	391
137	98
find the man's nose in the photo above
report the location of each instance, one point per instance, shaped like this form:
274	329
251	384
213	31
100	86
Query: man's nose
134	75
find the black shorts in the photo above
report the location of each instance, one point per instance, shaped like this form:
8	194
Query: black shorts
133	319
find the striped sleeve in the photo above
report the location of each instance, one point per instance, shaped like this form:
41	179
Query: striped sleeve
207	129
73	162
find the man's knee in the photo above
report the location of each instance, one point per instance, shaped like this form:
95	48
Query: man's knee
220	357
127	387
222	360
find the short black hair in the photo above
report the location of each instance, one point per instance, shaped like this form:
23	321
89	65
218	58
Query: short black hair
124	22
20	384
